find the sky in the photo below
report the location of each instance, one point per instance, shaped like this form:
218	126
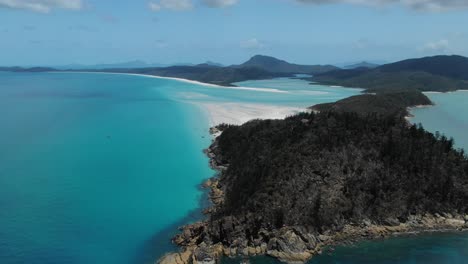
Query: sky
61	32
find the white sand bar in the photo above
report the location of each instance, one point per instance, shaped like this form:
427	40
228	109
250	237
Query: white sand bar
239	113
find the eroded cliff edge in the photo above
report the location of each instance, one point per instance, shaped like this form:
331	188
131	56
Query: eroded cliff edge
288	188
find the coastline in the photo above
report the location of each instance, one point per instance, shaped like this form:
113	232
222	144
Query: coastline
240	113
409	116
267	90
292	244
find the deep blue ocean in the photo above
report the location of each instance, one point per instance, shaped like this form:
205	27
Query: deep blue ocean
103	168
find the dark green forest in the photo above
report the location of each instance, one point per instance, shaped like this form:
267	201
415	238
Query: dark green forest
394	103
438	73
322	171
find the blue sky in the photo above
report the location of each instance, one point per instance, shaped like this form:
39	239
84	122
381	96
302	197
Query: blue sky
56	32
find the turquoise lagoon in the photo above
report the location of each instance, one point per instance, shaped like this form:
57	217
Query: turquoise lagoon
449	116
103	168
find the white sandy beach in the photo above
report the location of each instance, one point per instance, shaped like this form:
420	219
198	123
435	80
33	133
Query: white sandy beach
230	112
267	90
239	113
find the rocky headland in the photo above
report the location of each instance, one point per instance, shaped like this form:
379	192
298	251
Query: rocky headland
290	188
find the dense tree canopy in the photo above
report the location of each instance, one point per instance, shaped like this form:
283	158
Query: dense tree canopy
326	170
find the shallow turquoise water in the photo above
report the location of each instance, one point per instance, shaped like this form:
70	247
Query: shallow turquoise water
93	166
433	248
102	168
449	116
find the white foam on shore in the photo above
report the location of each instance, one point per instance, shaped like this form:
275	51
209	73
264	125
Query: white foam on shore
239	113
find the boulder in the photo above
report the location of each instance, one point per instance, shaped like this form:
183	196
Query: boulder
455	222
391	222
288	247
177	258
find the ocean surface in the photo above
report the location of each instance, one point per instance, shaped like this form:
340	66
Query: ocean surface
434	248
449	116
103	168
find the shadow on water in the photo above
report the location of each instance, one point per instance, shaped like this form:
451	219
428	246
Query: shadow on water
160	243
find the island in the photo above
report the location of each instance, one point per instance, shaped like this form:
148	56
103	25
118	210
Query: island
438	73
346	171
259	67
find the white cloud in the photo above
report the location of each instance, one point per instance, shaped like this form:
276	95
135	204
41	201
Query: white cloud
154	6
252	44
440	46
424	5
182	5
219	3
175	5
42	6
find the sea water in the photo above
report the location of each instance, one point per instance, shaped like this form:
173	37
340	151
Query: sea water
103	168
449	116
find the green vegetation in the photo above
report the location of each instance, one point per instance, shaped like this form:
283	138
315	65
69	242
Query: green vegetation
393	103
280	66
320	172
325	170
346	171
258	67
439	73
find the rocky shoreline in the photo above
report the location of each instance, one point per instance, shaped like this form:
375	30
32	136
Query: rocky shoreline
291	244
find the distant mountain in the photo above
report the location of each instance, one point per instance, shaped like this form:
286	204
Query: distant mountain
438	73
272	64
454	66
31	69
363	64
209	64
213	64
346	65
258	67
122	65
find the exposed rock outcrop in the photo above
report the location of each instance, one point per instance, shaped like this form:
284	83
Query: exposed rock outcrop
289	188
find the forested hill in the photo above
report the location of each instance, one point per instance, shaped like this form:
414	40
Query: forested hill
325	170
354	170
438	73
294	185
454	66
393	103
272	64
258	67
